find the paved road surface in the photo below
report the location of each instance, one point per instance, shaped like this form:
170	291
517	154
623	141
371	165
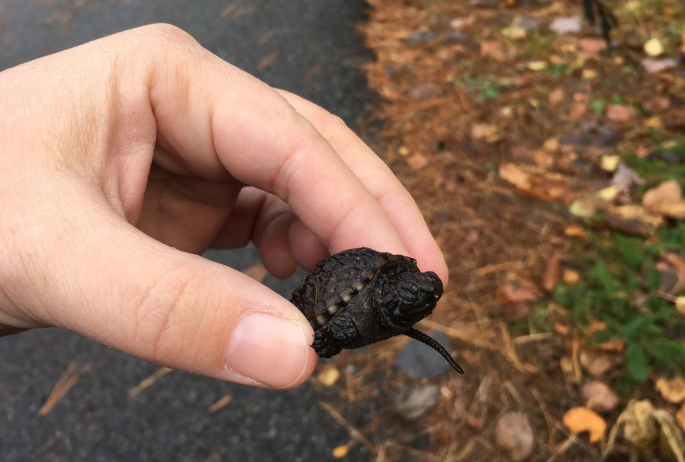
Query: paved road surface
96	420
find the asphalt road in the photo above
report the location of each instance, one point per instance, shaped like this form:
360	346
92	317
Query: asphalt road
318	56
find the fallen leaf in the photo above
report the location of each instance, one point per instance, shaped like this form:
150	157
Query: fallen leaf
511	173
514	32
673	390
403	151
575	231
257	272
632	219
519	291
551	275
665	199
680	416
589	74
599	397
653	47
608	194
652	65
417	162
597	362
618	113
537	65
610	163
615	345
514	435
551	145
580	419
543	158
570	277
680	305
329	375
492	49
340	451
592	47
556	96
583	208
474	421
486	132
578	110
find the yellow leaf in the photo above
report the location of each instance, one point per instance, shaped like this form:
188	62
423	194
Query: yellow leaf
404	151
340	452
680	305
610	163
589	74
537	65
580	419
608	194
653	47
514	175
329	375
672	390
514	32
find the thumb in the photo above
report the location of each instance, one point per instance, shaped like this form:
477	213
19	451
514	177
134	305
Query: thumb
129	291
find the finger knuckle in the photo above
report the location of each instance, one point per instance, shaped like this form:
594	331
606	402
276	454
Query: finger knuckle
168	33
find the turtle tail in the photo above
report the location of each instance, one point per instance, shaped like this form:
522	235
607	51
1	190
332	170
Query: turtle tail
423	338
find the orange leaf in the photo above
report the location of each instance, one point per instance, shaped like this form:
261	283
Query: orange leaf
514	175
580	419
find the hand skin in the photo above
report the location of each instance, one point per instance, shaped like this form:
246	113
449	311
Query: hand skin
125	158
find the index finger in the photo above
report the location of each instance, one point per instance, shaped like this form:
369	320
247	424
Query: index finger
217	118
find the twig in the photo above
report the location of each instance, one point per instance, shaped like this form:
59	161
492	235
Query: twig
135	391
354	433
219	404
68	379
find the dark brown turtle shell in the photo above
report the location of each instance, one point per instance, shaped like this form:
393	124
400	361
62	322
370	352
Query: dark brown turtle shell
361	296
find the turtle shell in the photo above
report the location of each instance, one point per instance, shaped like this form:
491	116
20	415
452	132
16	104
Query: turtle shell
361	296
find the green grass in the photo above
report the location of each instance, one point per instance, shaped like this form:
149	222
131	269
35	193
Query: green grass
619	288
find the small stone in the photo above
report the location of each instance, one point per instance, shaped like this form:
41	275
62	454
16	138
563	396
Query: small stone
420	361
415	402
652	65
418	37
515	435
568	25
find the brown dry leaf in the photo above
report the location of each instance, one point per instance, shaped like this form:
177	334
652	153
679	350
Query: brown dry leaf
668	192
575	231
514	175
673	390
680	415
556	96
522	290
551	276
578	111
580	419
257	272
514	435
592	47
329	375
485	132
417	162
619	112
632	219
475	422
570	277
544	159
492	49
599	397
597	362
551	145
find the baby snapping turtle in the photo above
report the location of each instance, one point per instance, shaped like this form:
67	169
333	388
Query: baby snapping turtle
360	296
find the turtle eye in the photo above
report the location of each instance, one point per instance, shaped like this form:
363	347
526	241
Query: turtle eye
407	294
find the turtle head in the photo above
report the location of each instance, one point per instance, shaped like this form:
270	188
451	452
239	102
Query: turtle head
405	299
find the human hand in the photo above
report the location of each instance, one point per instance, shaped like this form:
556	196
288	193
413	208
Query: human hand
125	157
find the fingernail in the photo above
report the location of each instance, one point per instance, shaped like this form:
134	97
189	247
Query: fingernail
269	349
